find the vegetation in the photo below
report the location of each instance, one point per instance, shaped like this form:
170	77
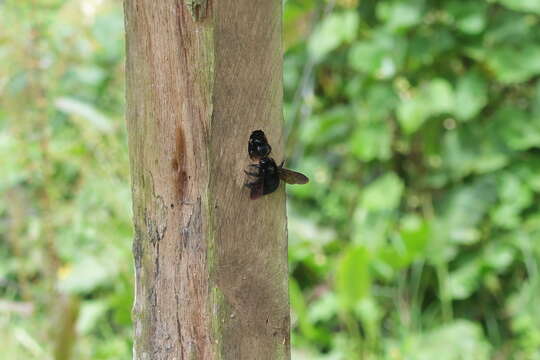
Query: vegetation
418	122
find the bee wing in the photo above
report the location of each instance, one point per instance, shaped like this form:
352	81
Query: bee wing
292	177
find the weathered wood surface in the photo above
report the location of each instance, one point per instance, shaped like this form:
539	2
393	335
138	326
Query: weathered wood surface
211	265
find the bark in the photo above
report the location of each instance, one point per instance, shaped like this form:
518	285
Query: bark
211	265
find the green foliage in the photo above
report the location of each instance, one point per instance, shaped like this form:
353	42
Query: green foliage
65	208
420	130
418	123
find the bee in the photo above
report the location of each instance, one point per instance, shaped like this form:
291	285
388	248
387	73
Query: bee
266	173
258	146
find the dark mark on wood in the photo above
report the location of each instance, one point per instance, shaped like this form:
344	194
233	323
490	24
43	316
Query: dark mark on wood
179	164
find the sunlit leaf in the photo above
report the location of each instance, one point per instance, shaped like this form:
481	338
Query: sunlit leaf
384	194
380	56
471	96
399	15
334	30
465	280
458	340
522	5
352	276
85	111
87	275
415	235
412	113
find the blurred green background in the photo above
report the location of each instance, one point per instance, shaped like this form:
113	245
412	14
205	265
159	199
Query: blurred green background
418	122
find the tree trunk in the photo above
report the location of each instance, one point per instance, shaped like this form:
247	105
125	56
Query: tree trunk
211	264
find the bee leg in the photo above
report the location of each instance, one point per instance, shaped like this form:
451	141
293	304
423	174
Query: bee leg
282	162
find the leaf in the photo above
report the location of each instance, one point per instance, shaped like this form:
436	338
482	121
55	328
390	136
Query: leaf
366	57
462	283
414	232
395	258
329	126
324	308
439	96
334	30
465	207
370	312
498	256
468	149
90	314
371	227
412	113
372	140
514	64
469	17
380	56
528	169
86	111
399	15
471	96
352	277
522	5
428	46
86	276
298	305
379	101
516	128
514	197
522	306
383	194
410	244
91	75
433	98
458	340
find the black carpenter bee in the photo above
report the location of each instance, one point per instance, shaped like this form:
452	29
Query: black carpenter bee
258	146
266	173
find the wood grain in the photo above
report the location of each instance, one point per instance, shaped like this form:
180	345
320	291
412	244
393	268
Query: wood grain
211	265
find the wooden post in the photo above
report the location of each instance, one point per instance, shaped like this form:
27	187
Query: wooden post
211	264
